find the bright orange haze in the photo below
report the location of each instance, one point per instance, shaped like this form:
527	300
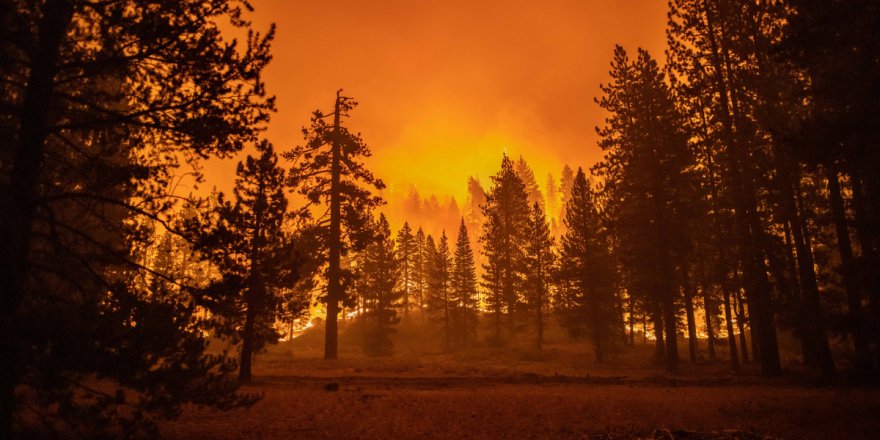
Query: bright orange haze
446	86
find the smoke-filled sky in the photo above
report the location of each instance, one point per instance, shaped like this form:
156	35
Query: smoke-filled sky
446	86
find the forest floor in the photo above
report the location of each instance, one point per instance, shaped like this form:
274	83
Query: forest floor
517	392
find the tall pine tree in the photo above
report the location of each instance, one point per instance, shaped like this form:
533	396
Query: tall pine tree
327	171
407	254
588	267
647	172
507	214
539	261
464	288
440	299
255	255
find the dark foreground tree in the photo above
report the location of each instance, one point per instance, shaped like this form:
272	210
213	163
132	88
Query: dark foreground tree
327	171
507	216
101	102
246	240
646	174
587	266
713	49
539	261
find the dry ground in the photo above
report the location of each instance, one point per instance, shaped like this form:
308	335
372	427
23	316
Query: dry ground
515	392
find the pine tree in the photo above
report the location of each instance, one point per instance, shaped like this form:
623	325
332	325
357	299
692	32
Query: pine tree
464	288
503	239
407	253
440	279
539	261
381	273
246	240
326	171
647	172
587	268
99	112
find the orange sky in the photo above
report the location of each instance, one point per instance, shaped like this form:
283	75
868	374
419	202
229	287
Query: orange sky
446	86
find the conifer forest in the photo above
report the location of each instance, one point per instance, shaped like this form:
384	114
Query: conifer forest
454	219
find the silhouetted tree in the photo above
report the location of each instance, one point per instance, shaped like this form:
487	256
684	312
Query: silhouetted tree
503	239
539	261
440	298
407	253
327	171
102	101
587	266
246	240
646	168
464	288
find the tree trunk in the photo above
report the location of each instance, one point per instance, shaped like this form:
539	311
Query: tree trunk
866	232
446	344
848	269
731	337
497	315
710	331
660	348
741	326
247	343
691	324
539	319
814	316
334	285
406	285
15	237
632	318
669	320
621	318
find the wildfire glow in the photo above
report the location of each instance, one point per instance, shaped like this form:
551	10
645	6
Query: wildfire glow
446	87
